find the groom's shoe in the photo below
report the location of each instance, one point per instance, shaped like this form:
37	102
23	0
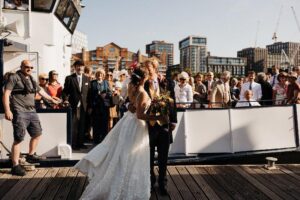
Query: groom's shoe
163	191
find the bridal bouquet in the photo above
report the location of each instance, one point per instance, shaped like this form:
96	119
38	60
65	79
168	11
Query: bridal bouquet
161	105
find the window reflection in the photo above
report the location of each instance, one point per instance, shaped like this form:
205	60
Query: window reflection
67	14
42	5
16	5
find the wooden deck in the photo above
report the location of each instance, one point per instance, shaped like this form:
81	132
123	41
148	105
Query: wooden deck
184	182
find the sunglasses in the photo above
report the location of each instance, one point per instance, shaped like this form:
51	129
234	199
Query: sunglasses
44	79
54	74
28	67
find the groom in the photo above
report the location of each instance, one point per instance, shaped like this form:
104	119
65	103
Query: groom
160	136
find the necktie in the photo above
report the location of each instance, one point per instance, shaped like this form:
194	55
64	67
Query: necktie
273	83
249	104
79	82
250	86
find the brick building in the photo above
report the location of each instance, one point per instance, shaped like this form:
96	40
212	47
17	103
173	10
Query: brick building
110	57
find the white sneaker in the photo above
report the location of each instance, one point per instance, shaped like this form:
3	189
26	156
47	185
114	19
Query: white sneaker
22	7
9	5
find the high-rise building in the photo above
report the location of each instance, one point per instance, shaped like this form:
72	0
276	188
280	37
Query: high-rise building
163	51
79	41
193	52
256	58
219	64
283	54
110	57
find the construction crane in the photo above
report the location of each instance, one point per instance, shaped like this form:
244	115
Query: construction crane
274	38
256	35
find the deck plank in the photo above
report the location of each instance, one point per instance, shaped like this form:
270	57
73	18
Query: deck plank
284	180
245	188
257	184
65	188
218	189
55	184
184	182
180	184
173	191
77	187
17	188
265	180
227	184
32	184
191	184
205	187
44	184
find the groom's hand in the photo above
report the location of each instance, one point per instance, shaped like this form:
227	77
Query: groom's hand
172	126
131	108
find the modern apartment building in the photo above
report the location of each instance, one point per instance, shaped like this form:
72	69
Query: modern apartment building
163	51
193	52
219	64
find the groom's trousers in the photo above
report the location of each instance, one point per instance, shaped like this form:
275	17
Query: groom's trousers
159	138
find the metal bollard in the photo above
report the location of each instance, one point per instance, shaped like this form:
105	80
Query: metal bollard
271	163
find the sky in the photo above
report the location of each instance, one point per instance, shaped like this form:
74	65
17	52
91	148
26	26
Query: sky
229	25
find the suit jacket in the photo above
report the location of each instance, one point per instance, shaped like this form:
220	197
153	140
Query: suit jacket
168	85
73	94
220	96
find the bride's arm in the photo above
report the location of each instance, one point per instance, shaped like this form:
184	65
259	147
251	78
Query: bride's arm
142	103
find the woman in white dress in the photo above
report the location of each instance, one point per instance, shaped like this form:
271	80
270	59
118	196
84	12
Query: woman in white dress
119	167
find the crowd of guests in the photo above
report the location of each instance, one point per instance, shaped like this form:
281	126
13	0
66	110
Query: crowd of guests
98	99
262	89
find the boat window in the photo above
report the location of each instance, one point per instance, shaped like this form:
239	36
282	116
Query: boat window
21	5
67	14
42	5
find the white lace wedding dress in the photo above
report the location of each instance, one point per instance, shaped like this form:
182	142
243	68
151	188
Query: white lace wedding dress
119	167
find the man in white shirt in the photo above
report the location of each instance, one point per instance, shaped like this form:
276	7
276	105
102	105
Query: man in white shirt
251	85
297	70
248	100
275	71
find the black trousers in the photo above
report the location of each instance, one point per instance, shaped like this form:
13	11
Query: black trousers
159	138
100	123
78	125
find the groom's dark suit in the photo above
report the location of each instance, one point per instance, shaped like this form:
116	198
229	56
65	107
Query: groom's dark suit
161	136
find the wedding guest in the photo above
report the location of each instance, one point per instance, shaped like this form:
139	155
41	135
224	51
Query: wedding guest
293	92
200	93
252	85
280	89
42	103
209	83
118	100
275	73
266	90
220	94
234	91
297	70
100	94
75	93
183	91
113	109
248	100
54	88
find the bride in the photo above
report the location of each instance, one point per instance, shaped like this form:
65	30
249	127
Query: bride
119	167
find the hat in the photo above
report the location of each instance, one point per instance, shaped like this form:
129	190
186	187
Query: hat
118	84
293	75
123	71
183	75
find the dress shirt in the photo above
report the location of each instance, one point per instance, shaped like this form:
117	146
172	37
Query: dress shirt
79	79
256	89
273	80
183	94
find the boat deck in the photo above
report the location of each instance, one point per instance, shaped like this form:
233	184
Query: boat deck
184	182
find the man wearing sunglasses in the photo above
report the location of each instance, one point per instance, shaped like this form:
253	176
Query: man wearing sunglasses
19	107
